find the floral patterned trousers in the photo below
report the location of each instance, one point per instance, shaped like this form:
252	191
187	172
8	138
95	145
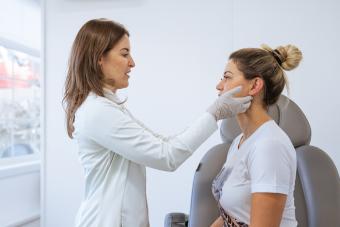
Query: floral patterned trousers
229	221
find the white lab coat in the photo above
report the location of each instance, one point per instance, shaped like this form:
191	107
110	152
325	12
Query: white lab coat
114	149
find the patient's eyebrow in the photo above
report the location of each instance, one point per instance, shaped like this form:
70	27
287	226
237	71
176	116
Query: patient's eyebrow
126	49
227	72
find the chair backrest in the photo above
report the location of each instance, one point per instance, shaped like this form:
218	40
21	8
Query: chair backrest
203	208
290	118
317	195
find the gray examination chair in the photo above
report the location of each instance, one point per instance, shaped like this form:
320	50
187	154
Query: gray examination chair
317	187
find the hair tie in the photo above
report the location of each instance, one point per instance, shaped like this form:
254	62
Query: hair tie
276	55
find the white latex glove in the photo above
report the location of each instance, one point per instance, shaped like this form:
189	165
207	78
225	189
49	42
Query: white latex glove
227	106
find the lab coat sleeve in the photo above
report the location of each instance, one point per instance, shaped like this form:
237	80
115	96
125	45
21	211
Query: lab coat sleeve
120	132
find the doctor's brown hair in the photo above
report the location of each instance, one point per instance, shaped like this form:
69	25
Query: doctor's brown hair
269	65
94	39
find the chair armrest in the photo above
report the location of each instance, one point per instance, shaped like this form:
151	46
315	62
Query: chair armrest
176	220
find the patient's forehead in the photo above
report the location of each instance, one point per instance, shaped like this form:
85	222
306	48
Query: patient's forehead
231	67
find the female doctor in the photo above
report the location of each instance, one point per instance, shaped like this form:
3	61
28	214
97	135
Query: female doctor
114	147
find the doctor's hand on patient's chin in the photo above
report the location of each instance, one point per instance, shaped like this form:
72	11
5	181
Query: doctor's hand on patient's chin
227	106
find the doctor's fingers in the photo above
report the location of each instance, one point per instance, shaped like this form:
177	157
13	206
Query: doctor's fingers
233	91
246	99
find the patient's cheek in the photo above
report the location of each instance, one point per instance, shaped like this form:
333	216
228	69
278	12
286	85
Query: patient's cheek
243	93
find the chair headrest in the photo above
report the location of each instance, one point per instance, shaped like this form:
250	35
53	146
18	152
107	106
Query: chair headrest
286	114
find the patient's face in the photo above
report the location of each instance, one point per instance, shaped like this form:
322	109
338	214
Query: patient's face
232	77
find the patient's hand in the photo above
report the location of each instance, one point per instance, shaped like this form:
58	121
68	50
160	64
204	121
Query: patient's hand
218	222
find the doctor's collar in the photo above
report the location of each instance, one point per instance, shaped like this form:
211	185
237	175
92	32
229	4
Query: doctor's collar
113	96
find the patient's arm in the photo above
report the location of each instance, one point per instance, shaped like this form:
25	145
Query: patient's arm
267	209
218	222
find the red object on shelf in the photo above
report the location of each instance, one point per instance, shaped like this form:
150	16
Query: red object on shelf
16	71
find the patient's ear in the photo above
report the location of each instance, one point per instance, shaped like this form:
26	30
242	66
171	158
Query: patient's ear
257	86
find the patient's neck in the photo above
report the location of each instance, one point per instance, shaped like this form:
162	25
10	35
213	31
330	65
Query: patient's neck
253	118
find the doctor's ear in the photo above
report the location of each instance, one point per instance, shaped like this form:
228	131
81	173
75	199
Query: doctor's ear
257	86
100	61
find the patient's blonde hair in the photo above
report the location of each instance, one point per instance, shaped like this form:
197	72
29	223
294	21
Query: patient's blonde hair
270	65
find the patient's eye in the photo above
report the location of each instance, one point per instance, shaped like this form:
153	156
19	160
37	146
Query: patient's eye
227	75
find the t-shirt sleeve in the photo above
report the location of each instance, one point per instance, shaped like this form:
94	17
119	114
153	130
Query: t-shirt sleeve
270	167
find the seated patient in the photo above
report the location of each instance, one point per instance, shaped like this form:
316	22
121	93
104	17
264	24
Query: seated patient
256	184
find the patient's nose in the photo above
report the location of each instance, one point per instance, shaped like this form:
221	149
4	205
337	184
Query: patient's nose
219	86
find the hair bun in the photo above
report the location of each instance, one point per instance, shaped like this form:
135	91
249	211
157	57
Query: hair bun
290	56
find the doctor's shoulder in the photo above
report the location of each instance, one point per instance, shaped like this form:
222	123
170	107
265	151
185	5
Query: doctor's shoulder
99	111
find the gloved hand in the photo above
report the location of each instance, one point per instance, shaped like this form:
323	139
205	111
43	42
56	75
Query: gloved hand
227	106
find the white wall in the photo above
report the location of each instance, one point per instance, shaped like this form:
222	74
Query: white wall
180	48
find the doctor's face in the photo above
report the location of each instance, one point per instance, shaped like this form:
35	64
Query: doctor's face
232	77
116	65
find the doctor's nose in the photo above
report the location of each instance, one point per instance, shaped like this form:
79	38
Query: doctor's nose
132	63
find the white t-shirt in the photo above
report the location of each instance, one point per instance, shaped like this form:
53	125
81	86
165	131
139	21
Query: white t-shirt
265	162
